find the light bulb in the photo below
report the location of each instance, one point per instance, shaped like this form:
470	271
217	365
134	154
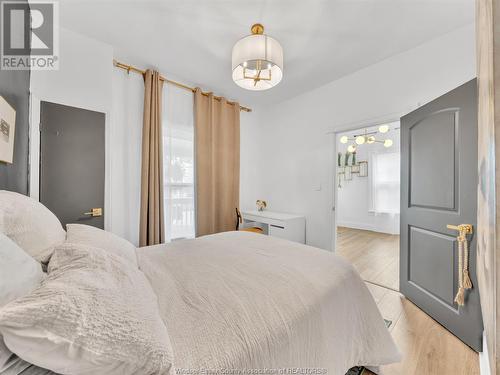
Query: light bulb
383	128
388	143
351	148
344	139
360	139
370	139
245	64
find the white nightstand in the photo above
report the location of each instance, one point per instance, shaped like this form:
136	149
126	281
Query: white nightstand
277	224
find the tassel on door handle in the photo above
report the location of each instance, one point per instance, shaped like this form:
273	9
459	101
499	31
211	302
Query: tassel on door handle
464	281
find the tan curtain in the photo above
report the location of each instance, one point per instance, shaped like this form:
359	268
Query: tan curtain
152	229
217	134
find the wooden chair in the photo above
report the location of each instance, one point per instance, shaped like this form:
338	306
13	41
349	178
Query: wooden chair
239	220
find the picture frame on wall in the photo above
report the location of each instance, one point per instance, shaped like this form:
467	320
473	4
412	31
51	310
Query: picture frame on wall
7	131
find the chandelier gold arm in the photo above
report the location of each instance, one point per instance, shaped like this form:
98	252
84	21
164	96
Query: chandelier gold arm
257	77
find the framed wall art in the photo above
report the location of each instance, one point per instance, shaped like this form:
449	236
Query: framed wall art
7	131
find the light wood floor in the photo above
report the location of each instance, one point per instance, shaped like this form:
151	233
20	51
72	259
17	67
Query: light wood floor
427	348
374	255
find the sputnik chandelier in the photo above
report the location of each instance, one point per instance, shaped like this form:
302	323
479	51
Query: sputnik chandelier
367	138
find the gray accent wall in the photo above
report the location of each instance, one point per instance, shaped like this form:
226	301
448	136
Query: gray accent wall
14	87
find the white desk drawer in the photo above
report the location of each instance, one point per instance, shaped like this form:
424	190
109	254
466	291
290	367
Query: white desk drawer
287	226
278	231
266	220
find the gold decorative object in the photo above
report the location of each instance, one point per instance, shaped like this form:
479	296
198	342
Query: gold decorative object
257	29
261	205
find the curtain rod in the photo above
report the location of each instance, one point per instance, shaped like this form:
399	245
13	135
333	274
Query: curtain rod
130	68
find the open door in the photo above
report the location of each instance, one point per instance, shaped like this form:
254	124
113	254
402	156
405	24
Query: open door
439	187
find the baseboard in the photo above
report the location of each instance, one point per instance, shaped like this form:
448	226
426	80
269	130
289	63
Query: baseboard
362	226
484	361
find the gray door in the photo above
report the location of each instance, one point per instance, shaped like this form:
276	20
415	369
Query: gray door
439	187
72	163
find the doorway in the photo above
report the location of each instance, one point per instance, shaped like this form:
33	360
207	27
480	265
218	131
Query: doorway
367	208
433	180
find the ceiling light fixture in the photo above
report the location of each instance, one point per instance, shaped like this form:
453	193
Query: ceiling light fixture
368	138
388	143
360	139
257	61
383	128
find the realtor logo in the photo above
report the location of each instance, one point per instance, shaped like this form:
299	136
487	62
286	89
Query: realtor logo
30	35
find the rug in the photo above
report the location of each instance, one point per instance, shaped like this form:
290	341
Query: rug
359	370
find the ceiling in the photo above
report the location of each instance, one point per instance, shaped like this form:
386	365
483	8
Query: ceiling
323	40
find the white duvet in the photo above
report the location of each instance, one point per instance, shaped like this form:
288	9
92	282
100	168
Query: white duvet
239	301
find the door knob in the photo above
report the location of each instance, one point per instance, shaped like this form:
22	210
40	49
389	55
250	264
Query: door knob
94	212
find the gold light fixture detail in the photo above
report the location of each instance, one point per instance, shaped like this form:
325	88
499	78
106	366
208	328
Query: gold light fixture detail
368	138
257	29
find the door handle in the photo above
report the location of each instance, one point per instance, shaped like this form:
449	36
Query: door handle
94	212
461	228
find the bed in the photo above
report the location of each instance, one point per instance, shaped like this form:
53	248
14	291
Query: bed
253	301
240	302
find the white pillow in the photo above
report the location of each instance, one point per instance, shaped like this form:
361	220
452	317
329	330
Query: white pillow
30	224
95	313
19	273
95	237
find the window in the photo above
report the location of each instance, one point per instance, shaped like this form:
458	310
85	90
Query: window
385	182
178	156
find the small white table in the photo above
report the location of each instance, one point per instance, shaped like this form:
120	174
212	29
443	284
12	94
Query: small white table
277	224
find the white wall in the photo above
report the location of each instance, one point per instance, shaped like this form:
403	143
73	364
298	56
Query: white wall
84	75
125	154
353	197
287	153
87	79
